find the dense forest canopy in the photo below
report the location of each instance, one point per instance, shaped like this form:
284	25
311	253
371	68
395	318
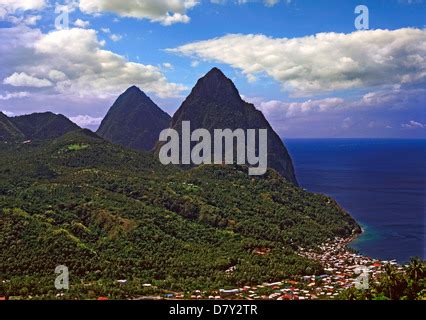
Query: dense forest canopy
109	213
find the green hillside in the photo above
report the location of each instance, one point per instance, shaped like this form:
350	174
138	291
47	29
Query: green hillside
109	213
43	126
8	131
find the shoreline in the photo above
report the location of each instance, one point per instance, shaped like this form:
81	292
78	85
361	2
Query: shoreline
343	269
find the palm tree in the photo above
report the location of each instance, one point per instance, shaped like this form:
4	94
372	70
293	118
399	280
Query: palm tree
390	281
416	269
415	272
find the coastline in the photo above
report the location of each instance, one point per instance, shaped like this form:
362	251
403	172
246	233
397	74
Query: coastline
388	200
343	269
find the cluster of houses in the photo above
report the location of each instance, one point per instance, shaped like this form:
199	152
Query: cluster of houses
342	269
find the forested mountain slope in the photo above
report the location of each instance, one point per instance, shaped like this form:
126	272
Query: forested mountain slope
110	213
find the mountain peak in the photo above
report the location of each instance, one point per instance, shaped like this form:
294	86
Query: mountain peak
215	86
215	72
131	99
215	103
134	89
134	121
43	126
134	92
8	130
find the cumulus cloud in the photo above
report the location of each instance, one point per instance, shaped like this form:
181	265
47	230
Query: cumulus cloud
73	62
12	6
323	62
271	3
81	23
31	20
366	114
14	95
16	11
115	37
167	65
24	19
414	125
410	1
392	100
396	98
281	109
24	80
166	12
7	113
347	123
86	121
268	3
66	6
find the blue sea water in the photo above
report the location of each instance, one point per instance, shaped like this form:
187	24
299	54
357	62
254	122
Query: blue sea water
380	182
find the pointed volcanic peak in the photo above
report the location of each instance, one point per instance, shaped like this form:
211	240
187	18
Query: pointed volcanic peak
215	87
134	121
44	126
215	103
8	131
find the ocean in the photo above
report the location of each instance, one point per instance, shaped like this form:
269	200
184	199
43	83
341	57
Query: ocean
380	182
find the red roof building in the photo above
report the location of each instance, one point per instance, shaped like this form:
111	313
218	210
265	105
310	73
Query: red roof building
103	299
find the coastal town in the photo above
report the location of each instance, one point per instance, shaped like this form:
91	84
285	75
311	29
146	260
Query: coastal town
343	269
